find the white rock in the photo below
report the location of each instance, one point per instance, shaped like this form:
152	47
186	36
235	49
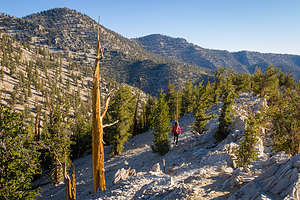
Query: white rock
280	158
122	174
156	168
260	148
280	179
263	197
228	170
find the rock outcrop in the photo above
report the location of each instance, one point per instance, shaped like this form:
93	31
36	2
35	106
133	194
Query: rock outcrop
280	180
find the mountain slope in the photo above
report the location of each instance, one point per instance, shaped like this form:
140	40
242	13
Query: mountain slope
74	35
66	28
243	61
197	168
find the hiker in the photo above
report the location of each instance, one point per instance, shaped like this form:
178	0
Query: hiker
176	131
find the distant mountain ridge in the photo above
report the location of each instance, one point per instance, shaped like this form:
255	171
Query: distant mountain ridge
243	61
74	34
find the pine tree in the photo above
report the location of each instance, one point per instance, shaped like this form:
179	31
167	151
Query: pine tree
19	157
122	108
149	112
81	133
286	81
135	127
187	98
68	84
29	90
161	125
13	97
247	152
56	136
26	112
225	119
172	98
2	74
203	102
285	118
217	85
142	120
12	68
270	84
242	82
266	84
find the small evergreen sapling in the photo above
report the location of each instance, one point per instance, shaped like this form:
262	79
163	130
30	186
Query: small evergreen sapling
225	119
161	125
203	102
247	152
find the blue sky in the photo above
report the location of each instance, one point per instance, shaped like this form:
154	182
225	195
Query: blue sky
257	25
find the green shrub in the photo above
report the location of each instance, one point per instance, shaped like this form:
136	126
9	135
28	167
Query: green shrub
18	157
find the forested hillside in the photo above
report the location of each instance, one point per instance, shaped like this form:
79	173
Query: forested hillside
242	61
73	34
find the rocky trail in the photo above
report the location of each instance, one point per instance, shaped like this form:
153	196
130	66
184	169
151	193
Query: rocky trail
197	168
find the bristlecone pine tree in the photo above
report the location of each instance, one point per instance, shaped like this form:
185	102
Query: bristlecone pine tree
286	81
122	108
203	102
270	84
219	79
149	112
56	138
266	84
247	152
82	133
161	125
187	98
228	96
285	118
98	115
18	157
242	82
172	98
256	83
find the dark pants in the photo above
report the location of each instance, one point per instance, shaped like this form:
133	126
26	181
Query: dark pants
176	138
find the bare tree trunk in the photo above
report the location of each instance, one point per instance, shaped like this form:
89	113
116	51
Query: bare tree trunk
70	191
97	137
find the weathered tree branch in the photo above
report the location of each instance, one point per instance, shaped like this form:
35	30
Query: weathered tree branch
106	107
111	124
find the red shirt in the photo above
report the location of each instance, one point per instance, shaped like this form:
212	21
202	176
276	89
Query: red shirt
176	129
